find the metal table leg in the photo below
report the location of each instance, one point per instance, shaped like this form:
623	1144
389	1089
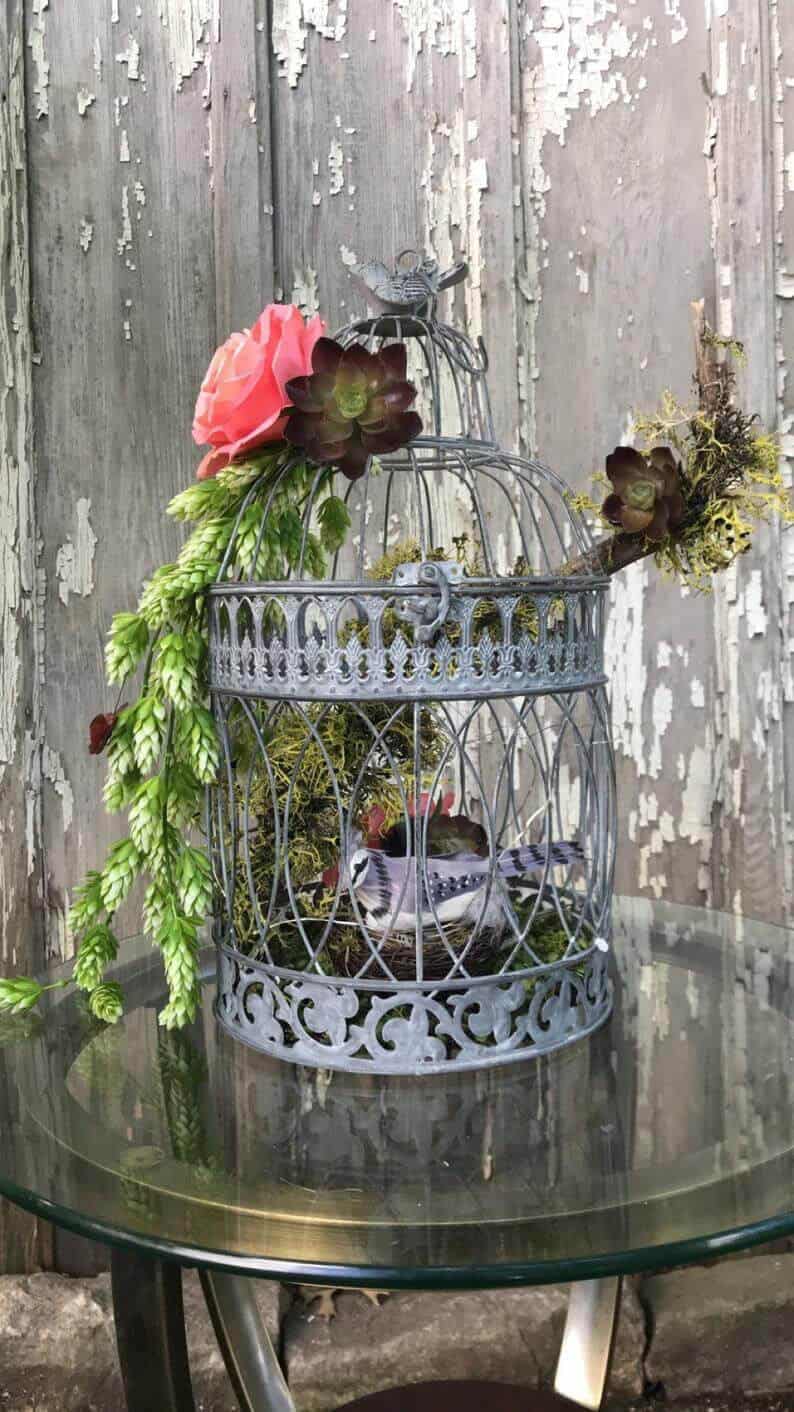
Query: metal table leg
150	1332
248	1353
586	1351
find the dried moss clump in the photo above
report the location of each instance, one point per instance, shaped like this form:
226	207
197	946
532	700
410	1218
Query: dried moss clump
307	751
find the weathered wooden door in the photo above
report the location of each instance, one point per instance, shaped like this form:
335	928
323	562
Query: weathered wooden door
168	166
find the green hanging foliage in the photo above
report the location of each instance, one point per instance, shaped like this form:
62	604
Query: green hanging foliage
163	748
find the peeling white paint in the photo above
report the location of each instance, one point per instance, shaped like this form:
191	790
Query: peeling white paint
124	242
74	564
304	291
661	715
755	613
624	650
53	771
84	99
189	25
336	167
446	26
86	235
124	146
37	39
290	25
131	56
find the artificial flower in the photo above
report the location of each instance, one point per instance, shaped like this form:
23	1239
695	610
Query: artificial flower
243	402
353	405
646	492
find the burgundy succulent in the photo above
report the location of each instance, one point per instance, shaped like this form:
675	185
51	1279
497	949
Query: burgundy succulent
646	493
354	404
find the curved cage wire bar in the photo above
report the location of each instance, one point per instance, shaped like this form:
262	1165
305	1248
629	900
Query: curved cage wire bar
413	831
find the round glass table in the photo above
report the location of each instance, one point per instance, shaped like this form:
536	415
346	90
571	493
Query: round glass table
666	1137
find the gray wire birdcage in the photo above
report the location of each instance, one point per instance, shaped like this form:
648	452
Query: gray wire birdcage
414	832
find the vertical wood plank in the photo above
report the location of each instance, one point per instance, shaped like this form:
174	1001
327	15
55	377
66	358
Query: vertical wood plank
24	1242
391	128
124	303
754	847
242	180
782	63
616	217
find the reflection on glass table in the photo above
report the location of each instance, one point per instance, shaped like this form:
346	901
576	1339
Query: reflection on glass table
666	1137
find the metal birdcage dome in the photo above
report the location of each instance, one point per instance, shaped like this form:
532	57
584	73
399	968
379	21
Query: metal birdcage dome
414	832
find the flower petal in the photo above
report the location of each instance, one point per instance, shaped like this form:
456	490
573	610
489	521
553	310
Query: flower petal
394	359
612	510
215	460
634	521
326	356
354	463
624	464
301	392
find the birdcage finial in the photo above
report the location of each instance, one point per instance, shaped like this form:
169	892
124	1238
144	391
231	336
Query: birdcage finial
411	286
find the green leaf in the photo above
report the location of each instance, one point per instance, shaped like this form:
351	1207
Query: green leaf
334	519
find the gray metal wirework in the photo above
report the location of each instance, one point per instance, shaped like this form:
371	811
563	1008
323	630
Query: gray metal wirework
501	663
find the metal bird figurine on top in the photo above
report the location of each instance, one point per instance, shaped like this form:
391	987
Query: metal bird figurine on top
416	827
411	286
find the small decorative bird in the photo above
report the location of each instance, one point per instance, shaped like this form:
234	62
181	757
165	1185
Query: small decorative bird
453	889
409	287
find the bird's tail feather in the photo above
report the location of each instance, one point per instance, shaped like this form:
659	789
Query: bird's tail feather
533	857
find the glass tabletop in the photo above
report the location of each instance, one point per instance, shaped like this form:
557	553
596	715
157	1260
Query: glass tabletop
667	1136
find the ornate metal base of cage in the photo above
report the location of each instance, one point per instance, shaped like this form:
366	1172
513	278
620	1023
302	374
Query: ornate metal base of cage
408	1028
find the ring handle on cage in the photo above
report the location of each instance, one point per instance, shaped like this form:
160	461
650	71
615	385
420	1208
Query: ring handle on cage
415	610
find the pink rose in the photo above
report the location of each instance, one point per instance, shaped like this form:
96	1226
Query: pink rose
242	400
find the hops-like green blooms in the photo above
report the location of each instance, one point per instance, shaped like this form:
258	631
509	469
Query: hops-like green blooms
19	994
88	905
353	405
107	1002
178	656
127	641
121	750
118	874
147	734
118	794
334	518
178	941
194	883
198	739
146	815
97	949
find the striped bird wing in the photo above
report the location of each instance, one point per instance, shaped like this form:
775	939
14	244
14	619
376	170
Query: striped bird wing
533	857
390	883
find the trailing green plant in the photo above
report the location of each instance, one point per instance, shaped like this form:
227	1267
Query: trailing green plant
162	748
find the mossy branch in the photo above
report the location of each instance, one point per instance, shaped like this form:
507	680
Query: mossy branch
729	471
